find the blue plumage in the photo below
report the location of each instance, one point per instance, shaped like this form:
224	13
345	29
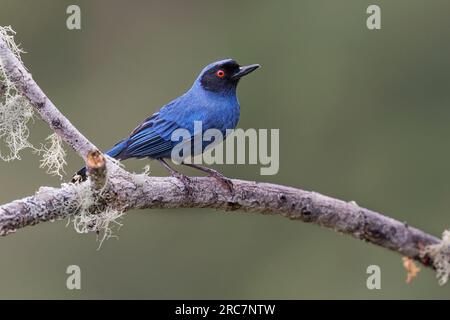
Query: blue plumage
212	100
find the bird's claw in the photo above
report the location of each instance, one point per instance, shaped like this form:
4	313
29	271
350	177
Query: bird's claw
185	180
227	183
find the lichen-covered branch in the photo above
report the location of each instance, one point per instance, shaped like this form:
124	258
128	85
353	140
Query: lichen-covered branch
141	191
24	82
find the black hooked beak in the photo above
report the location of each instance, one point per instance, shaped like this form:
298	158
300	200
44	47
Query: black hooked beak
245	70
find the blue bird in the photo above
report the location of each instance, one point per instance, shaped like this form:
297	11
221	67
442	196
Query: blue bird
211	99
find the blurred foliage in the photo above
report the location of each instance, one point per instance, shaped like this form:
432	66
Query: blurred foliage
363	115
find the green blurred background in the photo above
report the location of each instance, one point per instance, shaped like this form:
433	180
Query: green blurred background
363	115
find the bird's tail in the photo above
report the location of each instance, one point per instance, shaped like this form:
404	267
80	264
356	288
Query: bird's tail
114	152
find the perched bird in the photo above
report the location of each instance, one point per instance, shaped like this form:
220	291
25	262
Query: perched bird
212	100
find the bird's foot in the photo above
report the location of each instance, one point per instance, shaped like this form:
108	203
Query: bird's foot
183	179
179	176
226	182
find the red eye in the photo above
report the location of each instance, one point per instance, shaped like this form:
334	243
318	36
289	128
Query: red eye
220	73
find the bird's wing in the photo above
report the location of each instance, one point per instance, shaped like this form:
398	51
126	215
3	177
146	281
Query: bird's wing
151	138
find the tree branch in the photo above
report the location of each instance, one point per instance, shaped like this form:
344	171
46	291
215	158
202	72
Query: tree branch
125	191
145	192
24	82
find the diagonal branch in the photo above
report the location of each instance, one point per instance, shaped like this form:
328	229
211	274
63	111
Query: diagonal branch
122	191
24	82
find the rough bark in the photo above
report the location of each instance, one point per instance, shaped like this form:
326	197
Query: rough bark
145	192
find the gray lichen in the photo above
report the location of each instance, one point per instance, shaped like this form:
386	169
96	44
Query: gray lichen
15	114
440	254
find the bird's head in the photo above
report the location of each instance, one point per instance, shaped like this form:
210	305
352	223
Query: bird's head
223	76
